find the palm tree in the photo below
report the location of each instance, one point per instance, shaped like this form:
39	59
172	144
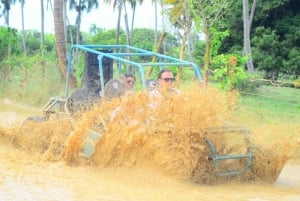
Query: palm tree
180	16
42	40
133	4
93	29
23	27
117	4
155	18
80	6
120	4
6	9
59	28
25	79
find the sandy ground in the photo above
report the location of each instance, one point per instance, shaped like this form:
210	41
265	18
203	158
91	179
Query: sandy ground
26	176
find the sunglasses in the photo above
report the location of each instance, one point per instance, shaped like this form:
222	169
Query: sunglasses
169	79
130	81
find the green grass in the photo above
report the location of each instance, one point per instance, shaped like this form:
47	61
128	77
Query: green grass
35	91
277	102
274	102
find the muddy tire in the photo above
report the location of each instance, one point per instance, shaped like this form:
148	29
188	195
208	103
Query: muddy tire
204	172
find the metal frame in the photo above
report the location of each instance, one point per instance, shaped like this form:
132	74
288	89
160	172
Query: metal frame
216	158
119	54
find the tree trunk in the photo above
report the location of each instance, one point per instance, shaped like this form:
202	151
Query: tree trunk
25	78
247	47
132	21
127	29
158	46
7	9
252	14
182	51
78	22
127	25
60	41
7	67
78	29
119	22
42	40
23	29
207	55
155	17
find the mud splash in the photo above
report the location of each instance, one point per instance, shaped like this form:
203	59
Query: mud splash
167	137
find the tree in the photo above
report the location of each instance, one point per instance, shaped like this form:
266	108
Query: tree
60	40
180	16
6	9
42	39
117	4
206	13
133	4
107	37
278	16
8	38
247	26
155	14
93	29
80	6
267	52
23	27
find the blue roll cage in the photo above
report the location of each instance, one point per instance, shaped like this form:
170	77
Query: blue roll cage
120	52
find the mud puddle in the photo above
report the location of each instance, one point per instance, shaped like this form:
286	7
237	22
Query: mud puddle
144	159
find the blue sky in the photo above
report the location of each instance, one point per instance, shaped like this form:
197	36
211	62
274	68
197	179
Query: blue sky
103	17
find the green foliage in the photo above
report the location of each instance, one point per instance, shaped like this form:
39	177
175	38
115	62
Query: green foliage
229	71
38	88
291	64
72	34
206	12
217	40
266	53
108	37
143	38
296	83
81	5
33	42
9	38
171	45
275	35
199	52
78	65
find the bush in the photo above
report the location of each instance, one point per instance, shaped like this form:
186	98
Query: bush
248	85
296	83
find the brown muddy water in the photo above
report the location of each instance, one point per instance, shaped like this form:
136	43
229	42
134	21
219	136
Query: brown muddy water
145	153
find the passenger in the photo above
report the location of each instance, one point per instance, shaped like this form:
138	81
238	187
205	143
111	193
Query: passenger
127	84
128	80
166	79
164	84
